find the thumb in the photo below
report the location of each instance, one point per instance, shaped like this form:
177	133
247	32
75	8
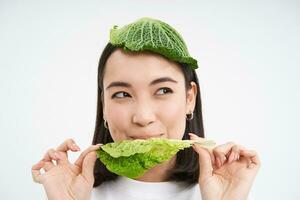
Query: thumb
205	160
88	166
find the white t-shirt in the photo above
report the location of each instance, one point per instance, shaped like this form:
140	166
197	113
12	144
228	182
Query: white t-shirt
124	188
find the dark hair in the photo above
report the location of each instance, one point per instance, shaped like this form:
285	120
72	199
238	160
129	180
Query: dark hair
187	165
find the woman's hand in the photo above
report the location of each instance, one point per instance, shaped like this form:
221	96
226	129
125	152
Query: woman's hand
227	172
65	180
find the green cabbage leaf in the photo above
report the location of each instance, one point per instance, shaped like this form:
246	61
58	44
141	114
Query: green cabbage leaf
152	35
132	158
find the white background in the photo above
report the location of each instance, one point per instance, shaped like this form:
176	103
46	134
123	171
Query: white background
248	53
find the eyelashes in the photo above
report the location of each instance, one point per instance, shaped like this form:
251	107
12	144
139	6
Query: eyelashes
161	91
165	90
115	95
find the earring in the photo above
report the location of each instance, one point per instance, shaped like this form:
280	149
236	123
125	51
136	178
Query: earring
190	116
105	124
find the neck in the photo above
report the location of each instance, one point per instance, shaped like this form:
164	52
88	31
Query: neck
159	173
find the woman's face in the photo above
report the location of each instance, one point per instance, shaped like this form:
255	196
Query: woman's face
145	96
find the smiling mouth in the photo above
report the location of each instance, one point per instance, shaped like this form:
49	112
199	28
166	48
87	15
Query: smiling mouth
146	136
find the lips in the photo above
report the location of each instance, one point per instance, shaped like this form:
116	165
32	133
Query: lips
145	136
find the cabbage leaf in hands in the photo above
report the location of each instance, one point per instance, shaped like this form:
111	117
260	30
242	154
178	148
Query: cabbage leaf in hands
132	158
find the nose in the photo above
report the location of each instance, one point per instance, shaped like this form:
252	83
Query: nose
144	114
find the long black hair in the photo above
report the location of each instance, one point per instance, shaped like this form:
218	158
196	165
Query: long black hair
187	165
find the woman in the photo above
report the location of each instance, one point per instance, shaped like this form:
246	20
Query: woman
148	88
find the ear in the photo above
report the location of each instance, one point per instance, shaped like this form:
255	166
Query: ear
191	97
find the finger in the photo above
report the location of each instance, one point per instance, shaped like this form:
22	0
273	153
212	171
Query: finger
62	158
212	157
35	171
55	155
234	153
88	167
67	145
253	157
48	166
205	161
221	151
231	157
244	161
50	155
58	156
79	161
195	137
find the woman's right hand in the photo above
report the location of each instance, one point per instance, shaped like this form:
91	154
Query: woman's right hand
63	179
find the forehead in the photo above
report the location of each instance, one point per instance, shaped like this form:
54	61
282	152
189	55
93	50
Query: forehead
140	66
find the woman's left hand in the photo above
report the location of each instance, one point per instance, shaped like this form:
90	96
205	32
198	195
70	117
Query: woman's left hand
227	171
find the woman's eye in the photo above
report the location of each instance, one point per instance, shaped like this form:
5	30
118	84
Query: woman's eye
120	95
164	91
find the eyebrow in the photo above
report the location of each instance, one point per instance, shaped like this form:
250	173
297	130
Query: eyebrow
154	82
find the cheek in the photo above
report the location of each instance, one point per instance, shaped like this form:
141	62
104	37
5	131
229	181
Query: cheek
173	117
118	118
